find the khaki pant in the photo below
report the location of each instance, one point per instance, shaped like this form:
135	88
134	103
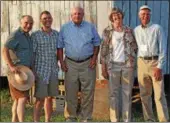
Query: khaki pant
120	90
146	83
79	72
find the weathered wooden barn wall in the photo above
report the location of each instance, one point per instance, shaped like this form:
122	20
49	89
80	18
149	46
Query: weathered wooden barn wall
11	11
95	12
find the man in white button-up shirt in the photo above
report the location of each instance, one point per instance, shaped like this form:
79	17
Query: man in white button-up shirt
151	59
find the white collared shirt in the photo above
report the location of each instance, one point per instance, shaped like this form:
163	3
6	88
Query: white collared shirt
151	41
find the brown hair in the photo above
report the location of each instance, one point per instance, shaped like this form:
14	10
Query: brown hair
45	12
115	10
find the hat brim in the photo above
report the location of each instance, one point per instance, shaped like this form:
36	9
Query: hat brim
28	84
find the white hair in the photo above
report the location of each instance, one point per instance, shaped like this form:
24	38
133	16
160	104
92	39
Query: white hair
77	7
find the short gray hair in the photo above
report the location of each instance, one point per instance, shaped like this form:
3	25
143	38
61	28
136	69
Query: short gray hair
23	16
77	7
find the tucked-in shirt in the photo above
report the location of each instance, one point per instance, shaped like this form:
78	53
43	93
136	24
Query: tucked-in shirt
151	42
20	43
118	47
44	48
78	41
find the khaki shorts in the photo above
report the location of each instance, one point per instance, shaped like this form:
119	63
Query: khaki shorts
16	94
44	90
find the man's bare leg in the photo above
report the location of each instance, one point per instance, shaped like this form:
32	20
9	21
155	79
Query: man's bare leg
21	108
48	108
37	109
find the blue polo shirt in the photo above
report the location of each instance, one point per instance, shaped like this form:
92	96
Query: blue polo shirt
20	42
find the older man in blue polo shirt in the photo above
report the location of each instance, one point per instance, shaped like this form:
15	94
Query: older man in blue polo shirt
81	42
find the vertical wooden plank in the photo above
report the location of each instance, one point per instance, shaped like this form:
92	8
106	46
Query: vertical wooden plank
47	5
28	7
57	15
168	47
133	14
42	6
71	4
3	65
14	16
36	15
86	11
118	3
4	34
164	18
126	6
4	16
102	22
27	2
88	5
14	2
67	11
94	12
156	13
78	3
62	12
23	8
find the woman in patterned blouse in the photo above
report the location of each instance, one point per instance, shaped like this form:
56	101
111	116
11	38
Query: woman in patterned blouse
118	56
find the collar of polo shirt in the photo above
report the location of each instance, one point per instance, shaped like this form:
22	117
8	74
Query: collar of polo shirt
22	32
148	25
76	25
44	33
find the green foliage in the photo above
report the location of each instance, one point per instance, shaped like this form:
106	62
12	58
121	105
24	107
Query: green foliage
5	96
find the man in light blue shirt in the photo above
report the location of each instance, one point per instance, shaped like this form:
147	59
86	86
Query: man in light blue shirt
152	47
81	42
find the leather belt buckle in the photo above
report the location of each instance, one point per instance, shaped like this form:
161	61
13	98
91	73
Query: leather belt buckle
80	61
150	57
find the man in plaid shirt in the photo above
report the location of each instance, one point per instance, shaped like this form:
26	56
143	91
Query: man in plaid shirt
45	66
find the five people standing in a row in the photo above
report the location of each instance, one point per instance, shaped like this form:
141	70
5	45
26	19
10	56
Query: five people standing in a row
120	48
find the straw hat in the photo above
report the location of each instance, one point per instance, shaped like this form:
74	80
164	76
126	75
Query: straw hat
22	81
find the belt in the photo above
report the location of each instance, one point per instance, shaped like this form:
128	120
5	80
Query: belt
119	63
79	61
150	57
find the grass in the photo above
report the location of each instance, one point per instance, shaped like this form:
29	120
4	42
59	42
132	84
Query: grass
5	110
6	103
